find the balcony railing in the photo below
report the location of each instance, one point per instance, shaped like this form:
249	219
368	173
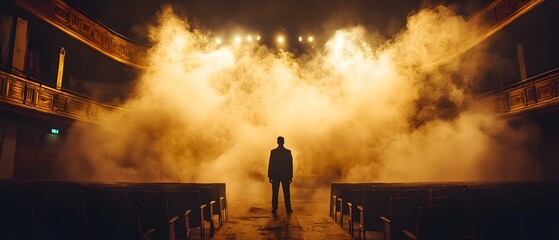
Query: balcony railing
32	96
83	28
536	93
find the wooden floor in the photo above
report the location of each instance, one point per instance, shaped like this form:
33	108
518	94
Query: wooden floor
308	221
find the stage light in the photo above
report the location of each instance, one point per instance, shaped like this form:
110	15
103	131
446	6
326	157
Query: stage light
218	41
339	39
238	39
310	39
258	38
280	39
249	38
300	39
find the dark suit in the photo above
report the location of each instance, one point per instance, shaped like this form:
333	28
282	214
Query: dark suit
280	169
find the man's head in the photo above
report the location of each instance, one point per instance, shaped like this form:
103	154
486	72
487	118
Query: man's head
280	140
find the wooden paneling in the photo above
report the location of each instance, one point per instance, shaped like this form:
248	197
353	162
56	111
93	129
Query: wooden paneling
544	90
15	90
530	95
62	103
502	104
61	13
31	96
3	86
45	99
504	8
65	18
517	99
77	107
535	93
501	11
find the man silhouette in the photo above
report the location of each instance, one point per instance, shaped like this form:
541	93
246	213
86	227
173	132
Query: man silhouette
280	170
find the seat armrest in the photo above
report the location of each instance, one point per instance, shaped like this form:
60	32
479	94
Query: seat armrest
361	216
387	227
212	203
187	223
385	219
147	235
187	213
173	219
171	223
410	235
349	204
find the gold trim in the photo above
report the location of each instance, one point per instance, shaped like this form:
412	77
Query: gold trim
29	95
490	22
60	15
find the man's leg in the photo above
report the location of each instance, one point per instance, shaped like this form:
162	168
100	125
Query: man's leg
275	191
286	195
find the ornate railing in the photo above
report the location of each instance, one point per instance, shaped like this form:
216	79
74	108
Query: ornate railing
30	95
535	93
498	14
492	18
488	20
72	22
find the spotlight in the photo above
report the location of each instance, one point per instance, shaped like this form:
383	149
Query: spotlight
280	39
238	39
300	39
218	41
249	38
310	39
258	38
339	39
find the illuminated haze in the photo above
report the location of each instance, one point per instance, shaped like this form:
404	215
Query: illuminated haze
349	112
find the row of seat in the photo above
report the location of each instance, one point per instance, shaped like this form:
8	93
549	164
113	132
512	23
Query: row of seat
87	210
457	210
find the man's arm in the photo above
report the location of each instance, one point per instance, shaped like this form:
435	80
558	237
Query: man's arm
270	168
290	167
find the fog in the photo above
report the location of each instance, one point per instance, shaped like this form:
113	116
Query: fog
395	110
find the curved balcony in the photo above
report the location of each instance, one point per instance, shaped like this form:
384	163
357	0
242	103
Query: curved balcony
24	95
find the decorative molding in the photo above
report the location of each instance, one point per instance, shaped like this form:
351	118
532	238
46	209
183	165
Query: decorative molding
533	94
487	21
31	96
70	21
498	14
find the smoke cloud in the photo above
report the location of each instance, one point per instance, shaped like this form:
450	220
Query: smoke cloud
349	111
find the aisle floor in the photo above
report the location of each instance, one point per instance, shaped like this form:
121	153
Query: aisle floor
306	222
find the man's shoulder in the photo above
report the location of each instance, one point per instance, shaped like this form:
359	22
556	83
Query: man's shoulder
281	150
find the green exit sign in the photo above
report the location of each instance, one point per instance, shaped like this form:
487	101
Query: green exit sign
54	131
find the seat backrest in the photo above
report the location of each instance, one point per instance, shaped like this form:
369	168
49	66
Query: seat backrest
414	192
439	222
403	214
376	204
119	222
179	202
154	212
356	199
